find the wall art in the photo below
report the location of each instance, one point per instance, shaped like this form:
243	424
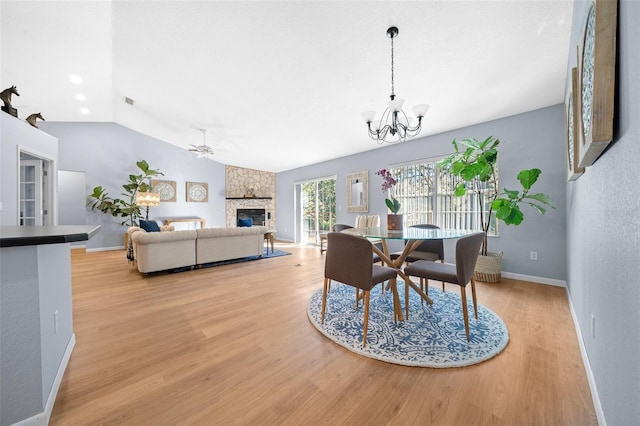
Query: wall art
597	72
166	189
197	192
573	136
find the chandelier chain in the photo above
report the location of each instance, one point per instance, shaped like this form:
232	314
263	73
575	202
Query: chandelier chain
393	94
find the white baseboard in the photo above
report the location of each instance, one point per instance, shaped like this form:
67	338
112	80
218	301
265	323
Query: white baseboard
42	419
534	279
105	249
587	367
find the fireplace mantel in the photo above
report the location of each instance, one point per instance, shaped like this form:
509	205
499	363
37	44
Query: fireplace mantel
249	198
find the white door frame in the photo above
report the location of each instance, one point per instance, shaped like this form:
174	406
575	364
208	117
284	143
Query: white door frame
48	194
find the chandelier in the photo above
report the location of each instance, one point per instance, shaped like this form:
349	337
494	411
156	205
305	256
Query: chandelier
394	124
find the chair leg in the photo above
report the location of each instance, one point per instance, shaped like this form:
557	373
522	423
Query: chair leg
325	290
366	318
406	300
465	314
329	288
442	261
473	293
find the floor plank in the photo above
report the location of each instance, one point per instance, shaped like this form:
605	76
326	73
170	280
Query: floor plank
233	345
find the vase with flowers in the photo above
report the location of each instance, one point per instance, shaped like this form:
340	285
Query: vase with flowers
394	220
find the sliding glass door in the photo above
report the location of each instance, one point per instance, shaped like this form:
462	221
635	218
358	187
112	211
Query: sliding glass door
316	209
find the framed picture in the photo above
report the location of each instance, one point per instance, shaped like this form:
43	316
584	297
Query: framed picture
166	189
597	72
573	130
197	192
358	192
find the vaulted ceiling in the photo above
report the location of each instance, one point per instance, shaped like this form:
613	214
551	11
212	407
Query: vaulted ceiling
281	84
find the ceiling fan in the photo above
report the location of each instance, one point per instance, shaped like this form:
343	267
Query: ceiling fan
202	150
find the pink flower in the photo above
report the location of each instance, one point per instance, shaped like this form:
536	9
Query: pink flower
388	181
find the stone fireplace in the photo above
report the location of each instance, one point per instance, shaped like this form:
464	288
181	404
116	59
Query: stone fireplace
248	189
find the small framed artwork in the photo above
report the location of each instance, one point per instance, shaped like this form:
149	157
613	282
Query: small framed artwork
573	131
166	189
197	192
597	72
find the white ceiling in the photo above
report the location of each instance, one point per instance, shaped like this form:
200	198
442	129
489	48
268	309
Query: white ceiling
281	85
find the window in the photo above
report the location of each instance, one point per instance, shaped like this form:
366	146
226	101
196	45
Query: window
427	195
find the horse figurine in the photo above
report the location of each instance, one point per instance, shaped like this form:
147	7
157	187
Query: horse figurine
5	95
32	119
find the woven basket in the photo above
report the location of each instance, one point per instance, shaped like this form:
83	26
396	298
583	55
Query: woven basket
488	268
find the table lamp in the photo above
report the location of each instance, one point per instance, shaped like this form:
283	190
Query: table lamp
147	199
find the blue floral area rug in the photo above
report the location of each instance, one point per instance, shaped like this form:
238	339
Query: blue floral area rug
434	335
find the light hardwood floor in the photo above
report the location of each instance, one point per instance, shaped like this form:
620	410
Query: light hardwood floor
233	345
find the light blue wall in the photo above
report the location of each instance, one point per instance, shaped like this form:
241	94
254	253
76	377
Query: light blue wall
107	152
603	235
533	139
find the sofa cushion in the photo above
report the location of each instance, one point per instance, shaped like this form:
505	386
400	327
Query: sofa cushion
149	225
230	232
163	237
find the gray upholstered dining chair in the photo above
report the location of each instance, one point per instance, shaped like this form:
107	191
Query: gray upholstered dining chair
467	249
431	250
349	261
339	227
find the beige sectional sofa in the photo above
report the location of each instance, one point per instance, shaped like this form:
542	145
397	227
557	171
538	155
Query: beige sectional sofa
169	249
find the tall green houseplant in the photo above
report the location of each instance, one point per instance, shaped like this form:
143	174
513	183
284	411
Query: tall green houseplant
126	207
475	162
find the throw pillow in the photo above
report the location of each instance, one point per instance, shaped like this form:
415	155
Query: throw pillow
149	225
245	222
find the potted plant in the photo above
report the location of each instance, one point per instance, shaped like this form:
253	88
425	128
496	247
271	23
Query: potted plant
475	164
394	220
126	207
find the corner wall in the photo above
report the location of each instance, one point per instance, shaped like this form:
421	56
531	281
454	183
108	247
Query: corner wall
603	235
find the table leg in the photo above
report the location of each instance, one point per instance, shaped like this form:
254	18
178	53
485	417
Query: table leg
397	265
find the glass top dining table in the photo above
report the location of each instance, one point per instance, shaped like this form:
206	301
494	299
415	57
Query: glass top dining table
408	233
413	237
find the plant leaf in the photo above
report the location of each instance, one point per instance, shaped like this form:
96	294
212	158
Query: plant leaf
542	198
528	177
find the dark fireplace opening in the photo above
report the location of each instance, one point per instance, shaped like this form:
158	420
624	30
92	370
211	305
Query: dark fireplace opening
257	215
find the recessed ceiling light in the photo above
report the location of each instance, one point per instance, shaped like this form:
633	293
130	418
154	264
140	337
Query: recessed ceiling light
81	97
84	110
75	79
